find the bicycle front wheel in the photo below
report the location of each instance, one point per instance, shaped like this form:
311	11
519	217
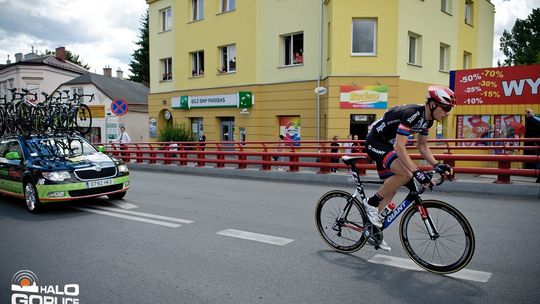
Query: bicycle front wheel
340	221
451	250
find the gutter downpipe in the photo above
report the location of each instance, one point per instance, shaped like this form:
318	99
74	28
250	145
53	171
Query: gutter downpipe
320	75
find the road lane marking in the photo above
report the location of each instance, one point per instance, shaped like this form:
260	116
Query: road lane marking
464	274
129	217
123	205
159	217
263	238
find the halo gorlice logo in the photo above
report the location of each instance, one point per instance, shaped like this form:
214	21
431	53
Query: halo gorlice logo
26	290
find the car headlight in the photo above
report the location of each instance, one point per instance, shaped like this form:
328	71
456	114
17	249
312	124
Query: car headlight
56	176
122	168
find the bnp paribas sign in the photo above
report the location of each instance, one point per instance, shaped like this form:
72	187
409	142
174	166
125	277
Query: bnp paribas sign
235	100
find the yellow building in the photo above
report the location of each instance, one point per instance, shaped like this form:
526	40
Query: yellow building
247	69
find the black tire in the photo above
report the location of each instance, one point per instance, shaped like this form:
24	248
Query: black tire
31	198
451	251
346	236
117	195
83	119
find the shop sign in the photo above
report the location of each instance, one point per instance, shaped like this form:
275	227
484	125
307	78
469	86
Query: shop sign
363	97
289	126
236	100
503	85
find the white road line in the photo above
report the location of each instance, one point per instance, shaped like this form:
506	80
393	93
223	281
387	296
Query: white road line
159	217
464	274
129	217
274	240
123	205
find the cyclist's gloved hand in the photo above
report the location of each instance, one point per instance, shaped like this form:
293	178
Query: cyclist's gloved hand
423	178
444	169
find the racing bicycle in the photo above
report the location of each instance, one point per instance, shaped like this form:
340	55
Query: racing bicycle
434	234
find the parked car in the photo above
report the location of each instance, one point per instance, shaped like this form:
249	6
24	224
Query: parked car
44	169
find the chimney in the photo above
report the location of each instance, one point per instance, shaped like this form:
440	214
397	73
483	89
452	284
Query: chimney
107	71
18	57
61	53
119	73
8	61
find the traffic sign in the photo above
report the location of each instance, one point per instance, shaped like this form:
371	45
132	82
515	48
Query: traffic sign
119	107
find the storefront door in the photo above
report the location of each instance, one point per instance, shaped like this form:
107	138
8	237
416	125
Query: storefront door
227	129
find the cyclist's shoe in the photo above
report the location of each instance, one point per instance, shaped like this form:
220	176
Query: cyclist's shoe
384	247
372	213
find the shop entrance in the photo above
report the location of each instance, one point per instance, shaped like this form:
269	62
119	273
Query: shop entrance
360	123
227	129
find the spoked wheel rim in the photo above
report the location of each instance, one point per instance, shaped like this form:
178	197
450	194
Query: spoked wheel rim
345	235
30	196
451	251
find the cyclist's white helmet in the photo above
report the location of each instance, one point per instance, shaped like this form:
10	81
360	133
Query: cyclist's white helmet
441	96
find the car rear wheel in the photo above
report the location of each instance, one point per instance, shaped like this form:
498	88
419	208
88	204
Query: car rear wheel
117	195
31	197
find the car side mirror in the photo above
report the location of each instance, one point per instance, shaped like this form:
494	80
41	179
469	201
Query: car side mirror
14	155
102	149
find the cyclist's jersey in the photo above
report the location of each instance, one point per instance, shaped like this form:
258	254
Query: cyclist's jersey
404	120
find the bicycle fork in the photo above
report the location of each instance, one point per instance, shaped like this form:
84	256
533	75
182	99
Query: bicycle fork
428	222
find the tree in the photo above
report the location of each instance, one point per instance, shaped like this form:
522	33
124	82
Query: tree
522	45
71	57
140	65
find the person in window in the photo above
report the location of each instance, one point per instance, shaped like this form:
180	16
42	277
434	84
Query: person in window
298	58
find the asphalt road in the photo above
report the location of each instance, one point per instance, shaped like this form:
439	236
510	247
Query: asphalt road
170	242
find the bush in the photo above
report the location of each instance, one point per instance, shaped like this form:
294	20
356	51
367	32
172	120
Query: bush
175	133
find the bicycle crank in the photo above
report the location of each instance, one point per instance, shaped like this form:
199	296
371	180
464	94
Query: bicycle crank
373	234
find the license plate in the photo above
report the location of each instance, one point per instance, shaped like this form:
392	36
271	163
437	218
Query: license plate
99	183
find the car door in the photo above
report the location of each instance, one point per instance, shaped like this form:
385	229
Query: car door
12	169
3	166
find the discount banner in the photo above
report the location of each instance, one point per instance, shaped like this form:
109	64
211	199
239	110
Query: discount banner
504	85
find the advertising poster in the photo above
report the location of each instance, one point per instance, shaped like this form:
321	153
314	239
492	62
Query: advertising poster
507	126
503	85
152	127
363	97
473	126
289	126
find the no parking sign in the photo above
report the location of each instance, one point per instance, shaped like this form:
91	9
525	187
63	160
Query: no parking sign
119	107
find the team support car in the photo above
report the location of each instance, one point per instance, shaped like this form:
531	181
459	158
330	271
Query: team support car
44	169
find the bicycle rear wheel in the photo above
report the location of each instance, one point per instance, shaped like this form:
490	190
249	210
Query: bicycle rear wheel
341	230
83	119
450	251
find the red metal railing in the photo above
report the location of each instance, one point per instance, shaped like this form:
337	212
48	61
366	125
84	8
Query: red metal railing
316	154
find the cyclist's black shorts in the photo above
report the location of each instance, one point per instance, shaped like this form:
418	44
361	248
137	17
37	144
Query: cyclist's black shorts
382	152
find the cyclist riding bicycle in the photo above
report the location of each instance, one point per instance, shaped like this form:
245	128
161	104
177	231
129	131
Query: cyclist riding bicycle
386	145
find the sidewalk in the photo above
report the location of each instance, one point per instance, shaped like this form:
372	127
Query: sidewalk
465	183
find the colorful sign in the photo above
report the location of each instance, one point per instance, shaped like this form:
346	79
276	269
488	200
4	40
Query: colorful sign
235	100
97	111
363	97
473	126
504	85
289	126
119	107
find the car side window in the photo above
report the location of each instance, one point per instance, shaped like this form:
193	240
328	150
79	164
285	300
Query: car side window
4	148
15	147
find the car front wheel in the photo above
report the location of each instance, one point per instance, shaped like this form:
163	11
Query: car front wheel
31	197
117	195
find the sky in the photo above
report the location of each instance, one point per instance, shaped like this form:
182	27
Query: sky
105	32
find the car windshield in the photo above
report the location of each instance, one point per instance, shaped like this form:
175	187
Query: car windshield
60	147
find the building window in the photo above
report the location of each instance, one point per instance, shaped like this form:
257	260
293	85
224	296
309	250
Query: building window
197	9
444	57
446	6
364	36
166	19
197	63
415	47
469	12
228	5
228	58
467	60
166	69
293	49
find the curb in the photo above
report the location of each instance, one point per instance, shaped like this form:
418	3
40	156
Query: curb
462	185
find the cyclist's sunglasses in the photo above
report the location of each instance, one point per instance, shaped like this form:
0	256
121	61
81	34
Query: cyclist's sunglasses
446	108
